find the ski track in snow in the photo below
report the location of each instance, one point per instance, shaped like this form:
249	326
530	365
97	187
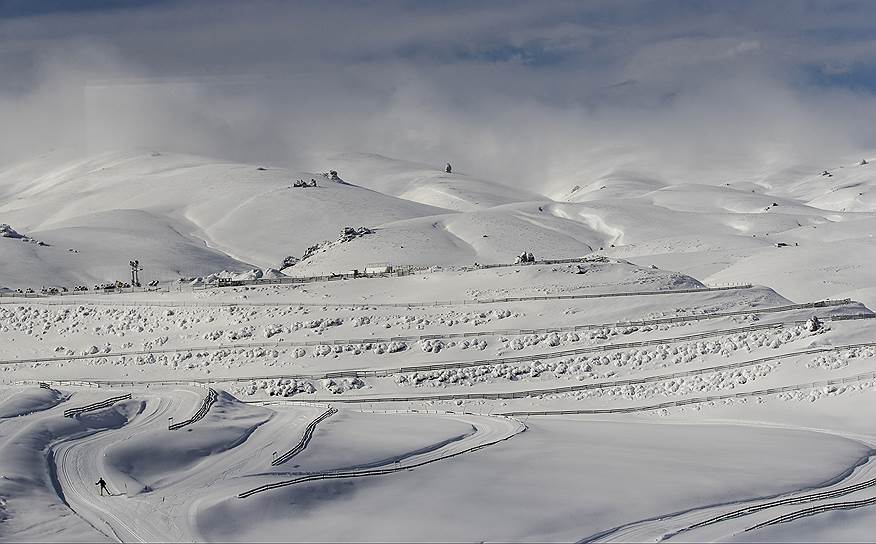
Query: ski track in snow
727	519
76	461
799	230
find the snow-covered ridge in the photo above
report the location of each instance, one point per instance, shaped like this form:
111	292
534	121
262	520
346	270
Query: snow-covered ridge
185	216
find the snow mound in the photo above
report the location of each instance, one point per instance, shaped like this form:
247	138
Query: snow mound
427	184
29	401
149	460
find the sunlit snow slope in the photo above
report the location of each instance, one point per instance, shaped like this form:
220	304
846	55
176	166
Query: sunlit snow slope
185	216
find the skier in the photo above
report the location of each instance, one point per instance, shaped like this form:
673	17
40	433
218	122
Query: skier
103	488
448	168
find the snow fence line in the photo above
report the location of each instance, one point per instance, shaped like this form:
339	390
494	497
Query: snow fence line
385	372
812	497
305	439
208	401
42	296
699	400
397	271
73	412
380	472
473	334
525	393
428	304
169	284
814	510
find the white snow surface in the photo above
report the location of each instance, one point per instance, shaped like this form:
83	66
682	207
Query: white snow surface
435	405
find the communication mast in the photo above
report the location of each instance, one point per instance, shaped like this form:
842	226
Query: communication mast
135	273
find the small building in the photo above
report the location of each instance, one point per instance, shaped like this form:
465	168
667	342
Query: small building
378	268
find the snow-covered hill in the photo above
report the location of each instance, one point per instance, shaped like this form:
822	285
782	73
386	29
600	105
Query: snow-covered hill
184	216
179	215
427	184
425	381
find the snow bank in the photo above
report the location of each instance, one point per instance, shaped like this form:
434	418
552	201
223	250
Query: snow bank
29	401
155	457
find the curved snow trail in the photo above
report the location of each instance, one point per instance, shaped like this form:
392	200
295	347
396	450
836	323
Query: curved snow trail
717	521
78	464
164	514
488	430
171	512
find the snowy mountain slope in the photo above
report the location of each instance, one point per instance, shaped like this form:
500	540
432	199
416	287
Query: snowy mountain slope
426	184
272	345
671	220
94	248
616	184
189	216
180	215
496	235
845	185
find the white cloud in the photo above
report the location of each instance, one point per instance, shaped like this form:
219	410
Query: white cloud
532	93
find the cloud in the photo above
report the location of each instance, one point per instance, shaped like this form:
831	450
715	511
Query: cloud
538	94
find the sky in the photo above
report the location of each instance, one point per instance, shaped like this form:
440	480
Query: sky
536	94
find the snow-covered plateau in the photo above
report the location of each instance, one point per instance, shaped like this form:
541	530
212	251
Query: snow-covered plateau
369	355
